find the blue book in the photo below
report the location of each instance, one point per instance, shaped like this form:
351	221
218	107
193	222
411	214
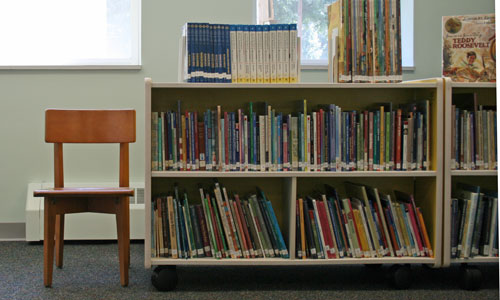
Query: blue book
407	227
335	225
206	52
391	223
190	53
177	230
227	50
283	249
182	227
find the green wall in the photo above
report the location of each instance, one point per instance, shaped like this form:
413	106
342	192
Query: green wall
25	94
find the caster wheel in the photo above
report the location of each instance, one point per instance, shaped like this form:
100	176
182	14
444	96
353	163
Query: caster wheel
470	278
373	266
164	278
401	276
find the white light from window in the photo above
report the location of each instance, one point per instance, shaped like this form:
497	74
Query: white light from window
69	32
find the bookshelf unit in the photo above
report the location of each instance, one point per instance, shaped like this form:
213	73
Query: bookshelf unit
282	188
486	95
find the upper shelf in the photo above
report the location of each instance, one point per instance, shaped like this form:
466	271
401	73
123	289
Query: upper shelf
297	85
474	84
474	172
287	174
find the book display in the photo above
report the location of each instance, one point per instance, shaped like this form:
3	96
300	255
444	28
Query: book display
470	178
267	136
364	41
223	53
469	46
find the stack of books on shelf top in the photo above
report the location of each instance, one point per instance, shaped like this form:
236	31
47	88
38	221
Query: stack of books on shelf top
474	135
367	224
474	222
263	139
364	41
219	227
239	53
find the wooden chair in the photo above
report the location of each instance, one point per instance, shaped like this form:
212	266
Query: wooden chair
86	126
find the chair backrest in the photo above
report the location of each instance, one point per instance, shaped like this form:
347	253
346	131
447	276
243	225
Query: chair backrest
90	126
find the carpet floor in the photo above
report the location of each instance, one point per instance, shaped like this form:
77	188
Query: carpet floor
91	272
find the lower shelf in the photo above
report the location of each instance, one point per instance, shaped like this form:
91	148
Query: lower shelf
293	262
476	259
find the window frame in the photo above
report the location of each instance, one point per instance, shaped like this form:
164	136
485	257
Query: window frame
136	17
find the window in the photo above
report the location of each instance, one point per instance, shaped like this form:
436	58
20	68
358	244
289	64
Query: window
312	22
70	34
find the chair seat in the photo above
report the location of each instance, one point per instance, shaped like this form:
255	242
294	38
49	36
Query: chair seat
85	192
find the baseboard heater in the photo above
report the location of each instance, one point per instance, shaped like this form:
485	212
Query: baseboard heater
85	226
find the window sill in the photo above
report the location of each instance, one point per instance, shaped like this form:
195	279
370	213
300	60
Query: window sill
95	67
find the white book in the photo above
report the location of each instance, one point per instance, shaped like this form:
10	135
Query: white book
280	53
286	53
253	54
293	54
260	53
248	60
234	53
240	41
274	52
266	44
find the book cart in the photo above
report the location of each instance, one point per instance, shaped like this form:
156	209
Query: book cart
283	188
470	276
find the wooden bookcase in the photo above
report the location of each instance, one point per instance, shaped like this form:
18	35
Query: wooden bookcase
486	95
282	188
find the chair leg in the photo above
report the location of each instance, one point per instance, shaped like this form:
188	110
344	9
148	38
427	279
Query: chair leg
123	239
59	240
48	241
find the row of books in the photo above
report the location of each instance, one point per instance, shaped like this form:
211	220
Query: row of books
365	224
220	227
474	139
327	139
474	222
241	53
364	41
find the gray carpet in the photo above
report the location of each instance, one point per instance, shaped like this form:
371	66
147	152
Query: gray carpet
91	272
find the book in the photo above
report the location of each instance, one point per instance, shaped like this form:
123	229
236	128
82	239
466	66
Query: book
469	48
